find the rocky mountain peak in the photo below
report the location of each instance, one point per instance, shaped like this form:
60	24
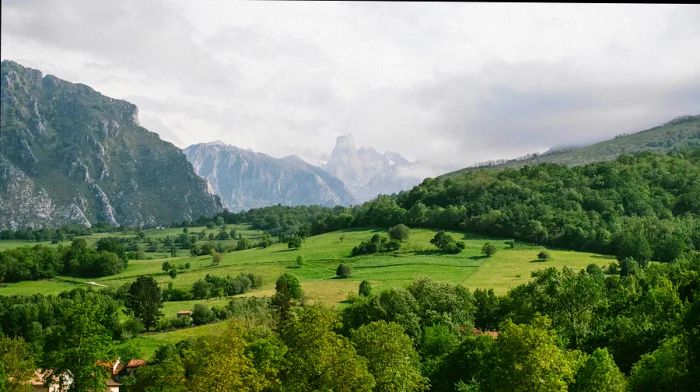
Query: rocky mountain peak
73	155
366	171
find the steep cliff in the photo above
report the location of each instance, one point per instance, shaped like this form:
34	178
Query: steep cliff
68	154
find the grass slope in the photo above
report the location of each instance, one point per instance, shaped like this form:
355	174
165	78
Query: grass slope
322	254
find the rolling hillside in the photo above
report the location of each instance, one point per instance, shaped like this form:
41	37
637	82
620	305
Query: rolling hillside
676	134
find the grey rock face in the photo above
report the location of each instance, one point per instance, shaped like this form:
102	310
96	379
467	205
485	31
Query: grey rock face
368	173
245	179
71	155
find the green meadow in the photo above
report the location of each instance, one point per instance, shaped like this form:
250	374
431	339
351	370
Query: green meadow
323	253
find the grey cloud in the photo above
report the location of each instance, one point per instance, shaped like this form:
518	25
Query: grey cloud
449	84
150	38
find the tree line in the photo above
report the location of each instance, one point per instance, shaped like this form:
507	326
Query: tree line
79	259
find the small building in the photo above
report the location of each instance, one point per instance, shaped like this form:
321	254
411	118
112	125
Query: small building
113	386
119	369
40	383
184	313
493	334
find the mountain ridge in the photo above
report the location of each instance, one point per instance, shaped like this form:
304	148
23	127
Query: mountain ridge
70	155
246	179
680	132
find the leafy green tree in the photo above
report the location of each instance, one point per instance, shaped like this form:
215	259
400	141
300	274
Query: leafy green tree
77	345
320	359
114	245
202	314
527	358
287	292
167	266
294	242
220	221
131	328
544	256
222	363
202	289
216	258
365	289
437	342
399	306
632	245
391	357
488	249
242	243
487	309
172	273
166	373
467	365
446	244
144	301
343	271
16	365
223	235
440	302
399	232
664	369
628	267
599	373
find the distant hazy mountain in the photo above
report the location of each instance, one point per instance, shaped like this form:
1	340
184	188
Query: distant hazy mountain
675	134
366	172
68	154
245	179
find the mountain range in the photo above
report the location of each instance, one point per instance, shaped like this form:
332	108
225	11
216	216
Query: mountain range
367	172
70	155
245	179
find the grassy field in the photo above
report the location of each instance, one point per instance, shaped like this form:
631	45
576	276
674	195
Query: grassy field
322	254
147	343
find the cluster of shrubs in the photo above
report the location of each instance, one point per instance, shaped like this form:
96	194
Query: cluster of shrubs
376	244
343	271
446	244
173	269
214	286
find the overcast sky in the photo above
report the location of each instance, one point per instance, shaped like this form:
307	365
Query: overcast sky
449	84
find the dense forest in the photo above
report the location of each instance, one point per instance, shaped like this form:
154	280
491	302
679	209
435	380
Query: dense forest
587	330
642	206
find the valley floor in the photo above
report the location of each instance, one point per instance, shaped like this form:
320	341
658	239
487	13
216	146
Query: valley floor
322	254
